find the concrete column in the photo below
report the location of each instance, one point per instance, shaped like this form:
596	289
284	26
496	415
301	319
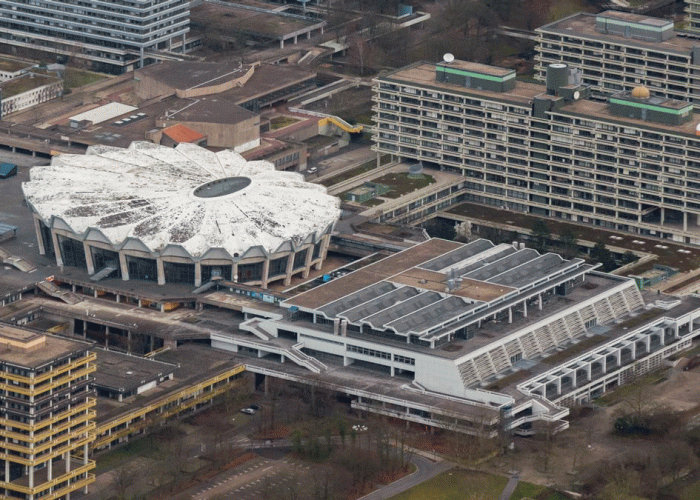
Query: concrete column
197	274
663	215
31	475
510	315
161	271
307	262
141	57
39	239
88	258
234	272
685	222
85	329
288	270
295	39
281	44
118	298
539	302
128	341
265	273
524	308
325	241
106	337
125	267
57	249
49	471
184	39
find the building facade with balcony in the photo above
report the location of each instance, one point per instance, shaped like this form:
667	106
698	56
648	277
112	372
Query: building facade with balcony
47	419
115	37
629	164
618	51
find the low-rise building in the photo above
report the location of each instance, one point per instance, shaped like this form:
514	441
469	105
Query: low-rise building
28	90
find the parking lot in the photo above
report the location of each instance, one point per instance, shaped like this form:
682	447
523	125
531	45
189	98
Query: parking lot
272	476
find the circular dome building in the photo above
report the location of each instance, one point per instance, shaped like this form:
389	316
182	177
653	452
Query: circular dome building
183	215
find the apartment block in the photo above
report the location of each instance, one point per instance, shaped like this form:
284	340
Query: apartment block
116	36
692	18
631	163
46	416
618	51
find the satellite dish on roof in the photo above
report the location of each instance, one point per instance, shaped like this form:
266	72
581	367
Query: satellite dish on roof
448	58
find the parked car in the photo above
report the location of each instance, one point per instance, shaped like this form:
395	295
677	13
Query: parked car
250	410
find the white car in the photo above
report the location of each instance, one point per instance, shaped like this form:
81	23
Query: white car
250	410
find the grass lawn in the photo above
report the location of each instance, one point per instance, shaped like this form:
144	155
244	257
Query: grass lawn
458	484
454	485
374	202
349	174
74	78
138	446
279	122
401	183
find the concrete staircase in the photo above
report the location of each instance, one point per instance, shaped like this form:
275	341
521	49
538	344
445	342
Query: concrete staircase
59	293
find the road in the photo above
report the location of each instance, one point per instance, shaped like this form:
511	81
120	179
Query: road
425	469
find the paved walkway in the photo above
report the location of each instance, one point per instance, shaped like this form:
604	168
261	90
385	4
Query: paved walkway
510	487
425	469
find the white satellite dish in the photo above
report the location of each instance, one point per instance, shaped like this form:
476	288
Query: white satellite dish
448	58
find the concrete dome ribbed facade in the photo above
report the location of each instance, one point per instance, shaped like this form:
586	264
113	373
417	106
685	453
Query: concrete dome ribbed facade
186	203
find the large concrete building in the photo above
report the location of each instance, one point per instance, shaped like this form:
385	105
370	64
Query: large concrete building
116	36
47	417
629	164
183	215
477	338
618	51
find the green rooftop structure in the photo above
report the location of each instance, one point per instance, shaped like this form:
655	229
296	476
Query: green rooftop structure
366	192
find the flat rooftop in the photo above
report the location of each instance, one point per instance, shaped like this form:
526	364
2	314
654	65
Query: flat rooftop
30	349
185	75
266	80
212	109
195	364
476	68
372	274
423	74
14	65
431	290
25	83
600	111
230	20
124	373
583	25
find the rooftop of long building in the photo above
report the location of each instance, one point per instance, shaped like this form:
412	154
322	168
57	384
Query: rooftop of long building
423	74
583	24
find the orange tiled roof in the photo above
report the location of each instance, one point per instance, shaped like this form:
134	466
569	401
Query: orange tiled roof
179	133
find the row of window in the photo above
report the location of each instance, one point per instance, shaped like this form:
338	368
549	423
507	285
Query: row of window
380	354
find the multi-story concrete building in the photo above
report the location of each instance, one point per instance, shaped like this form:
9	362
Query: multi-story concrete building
451	335
116	36
630	164
47	417
692	18
618	51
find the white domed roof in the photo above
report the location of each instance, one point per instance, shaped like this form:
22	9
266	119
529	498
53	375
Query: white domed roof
187	196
